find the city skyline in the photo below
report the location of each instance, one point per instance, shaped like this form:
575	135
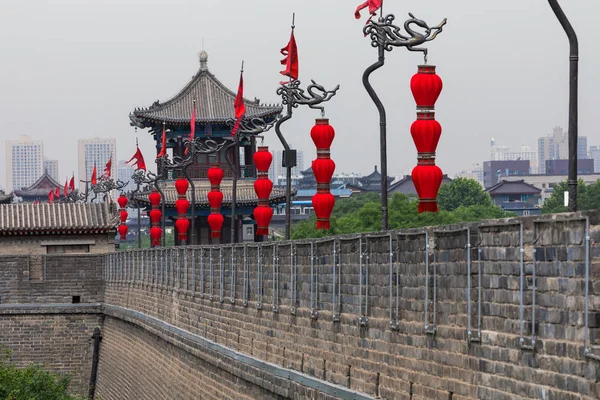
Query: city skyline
490	89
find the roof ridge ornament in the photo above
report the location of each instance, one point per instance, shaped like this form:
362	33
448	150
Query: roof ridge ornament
203	56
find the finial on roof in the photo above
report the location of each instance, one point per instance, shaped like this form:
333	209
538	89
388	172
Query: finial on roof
203	60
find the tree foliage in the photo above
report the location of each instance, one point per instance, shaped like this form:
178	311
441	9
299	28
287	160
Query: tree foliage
362	213
32	383
588	197
462	192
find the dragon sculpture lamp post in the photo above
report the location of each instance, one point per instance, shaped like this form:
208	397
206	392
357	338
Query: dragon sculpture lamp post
292	97
573	104
248	127
385	36
139	178
193	147
105	186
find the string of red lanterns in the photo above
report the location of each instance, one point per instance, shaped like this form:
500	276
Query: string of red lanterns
263	187
215	199
182	205
122	200
426	87
323	167
155	216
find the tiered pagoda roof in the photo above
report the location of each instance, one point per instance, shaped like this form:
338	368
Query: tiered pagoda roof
246	197
214	104
39	189
51	219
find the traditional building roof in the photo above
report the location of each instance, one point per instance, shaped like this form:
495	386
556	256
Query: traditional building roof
47	219
513	187
246	197
5	198
39	188
407	186
214	104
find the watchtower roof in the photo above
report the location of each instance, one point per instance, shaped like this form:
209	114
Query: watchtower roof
214	104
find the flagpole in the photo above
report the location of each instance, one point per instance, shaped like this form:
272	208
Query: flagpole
139	213
236	163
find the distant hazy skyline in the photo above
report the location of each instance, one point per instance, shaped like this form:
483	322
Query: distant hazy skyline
76	69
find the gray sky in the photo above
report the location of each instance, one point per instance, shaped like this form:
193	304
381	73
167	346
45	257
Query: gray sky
75	69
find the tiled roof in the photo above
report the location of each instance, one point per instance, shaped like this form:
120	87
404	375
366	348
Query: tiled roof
68	218
40	188
245	194
513	187
5	198
214	104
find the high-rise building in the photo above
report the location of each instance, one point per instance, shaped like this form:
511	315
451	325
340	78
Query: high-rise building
51	168
504	153
556	147
24	162
124	173
595	155
475	172
97	152
495	171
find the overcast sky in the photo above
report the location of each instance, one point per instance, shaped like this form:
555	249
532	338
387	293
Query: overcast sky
76	69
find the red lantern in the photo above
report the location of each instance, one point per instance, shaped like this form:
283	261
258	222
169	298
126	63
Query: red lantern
323	167
155	234
322	134
155	216
263	188
181	185
123	231
427	180
182	206
215	175
123	215
154	197
182	225
215	221
426	86
323	204
262	158
122	200
215	199
263	216
426	132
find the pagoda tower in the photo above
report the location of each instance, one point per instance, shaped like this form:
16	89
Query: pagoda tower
214	108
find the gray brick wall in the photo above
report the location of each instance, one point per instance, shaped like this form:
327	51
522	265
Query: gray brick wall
365	354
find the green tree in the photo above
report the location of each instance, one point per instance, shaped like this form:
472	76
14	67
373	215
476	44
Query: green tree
32	383
588	197
462	192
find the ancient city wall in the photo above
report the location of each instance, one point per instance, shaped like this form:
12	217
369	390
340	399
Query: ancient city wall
57	336
487	311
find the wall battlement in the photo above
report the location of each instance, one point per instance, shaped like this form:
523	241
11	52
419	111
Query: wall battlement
497	310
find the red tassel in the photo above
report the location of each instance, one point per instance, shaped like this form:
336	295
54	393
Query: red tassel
215	234
323	225
428	207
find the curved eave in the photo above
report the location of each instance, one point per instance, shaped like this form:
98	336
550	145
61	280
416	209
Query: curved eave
145	119
57	231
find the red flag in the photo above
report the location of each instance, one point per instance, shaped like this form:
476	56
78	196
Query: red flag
107	168
163	149
72	183
139	160
94	176
57	193
51	197
239	106
373	5
66	190
291	58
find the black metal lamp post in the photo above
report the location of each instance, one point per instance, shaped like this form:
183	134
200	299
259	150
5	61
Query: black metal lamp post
385	36
292	97
573	101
